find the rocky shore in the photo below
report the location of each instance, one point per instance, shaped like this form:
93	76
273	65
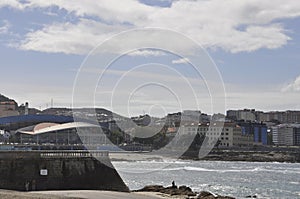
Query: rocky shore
183	191
248	156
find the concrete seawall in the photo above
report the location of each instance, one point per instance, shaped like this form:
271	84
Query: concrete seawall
58	170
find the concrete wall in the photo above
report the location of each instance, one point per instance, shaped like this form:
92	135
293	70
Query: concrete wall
66	170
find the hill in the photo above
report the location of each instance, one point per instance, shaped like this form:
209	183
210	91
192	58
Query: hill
5	99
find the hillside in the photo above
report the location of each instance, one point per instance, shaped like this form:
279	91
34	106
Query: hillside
5	99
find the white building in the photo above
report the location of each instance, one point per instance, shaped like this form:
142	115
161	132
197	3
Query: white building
228	134
73	133
286	134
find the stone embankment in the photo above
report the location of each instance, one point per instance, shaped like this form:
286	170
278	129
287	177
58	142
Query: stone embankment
58	170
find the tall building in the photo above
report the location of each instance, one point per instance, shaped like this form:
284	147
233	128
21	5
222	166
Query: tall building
286	134
259	116
245	114
283	116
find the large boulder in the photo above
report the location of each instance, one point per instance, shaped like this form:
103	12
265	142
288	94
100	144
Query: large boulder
208	195
205	195
151	188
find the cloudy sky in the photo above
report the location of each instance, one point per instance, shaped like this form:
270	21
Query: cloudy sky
255	45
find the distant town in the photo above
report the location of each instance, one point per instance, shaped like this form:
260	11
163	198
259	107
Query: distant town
55	128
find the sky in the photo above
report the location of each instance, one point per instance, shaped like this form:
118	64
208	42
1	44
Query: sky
252	45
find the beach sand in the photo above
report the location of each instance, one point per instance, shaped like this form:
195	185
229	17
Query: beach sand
78	194
91	194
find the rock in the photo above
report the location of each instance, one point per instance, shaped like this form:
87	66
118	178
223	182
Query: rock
208	195
181	191
224	197
185	188
173	190
205	195
152	188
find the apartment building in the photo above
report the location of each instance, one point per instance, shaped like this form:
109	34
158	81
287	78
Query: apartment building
228	134
286	134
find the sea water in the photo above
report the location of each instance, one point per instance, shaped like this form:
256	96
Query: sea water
237	179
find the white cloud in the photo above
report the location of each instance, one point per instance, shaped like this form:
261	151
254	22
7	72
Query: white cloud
180	61
4	29
293	86
11	3
147	53
69	38
234	26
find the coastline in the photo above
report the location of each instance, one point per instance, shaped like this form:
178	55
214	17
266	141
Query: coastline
216	155
246	156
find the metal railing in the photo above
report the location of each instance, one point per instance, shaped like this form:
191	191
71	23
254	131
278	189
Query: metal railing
72	154
53	154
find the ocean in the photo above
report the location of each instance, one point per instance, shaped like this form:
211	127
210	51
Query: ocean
237	179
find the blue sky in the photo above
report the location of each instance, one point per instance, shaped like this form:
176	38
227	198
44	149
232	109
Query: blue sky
254	44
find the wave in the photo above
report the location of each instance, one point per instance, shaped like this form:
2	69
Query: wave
257	169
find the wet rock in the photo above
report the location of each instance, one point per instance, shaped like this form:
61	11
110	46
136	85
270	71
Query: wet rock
173	190
254	196
224	197
205	195
208	195
152	188
181	191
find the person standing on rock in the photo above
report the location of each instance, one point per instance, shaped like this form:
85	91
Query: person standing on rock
173	184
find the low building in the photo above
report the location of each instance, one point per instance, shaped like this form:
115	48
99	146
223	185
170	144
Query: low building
242	140
259	131
226	134
8	108
61	134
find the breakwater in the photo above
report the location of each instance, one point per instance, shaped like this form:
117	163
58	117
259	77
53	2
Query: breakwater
58	170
